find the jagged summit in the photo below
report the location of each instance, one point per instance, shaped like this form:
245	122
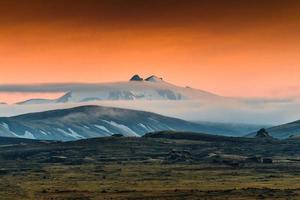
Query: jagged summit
154	79
136	77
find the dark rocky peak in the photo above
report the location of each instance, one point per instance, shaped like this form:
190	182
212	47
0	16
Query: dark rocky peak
262	133
154	79
136	77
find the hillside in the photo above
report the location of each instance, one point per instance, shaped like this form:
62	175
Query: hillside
95	121
289	130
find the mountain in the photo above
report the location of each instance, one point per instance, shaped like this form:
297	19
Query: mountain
94	121
137	88
154	94
35	101
289	130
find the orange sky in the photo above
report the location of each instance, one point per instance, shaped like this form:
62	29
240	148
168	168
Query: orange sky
245	48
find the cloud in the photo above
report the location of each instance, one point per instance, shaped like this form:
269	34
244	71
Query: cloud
46	88
223	14
267	113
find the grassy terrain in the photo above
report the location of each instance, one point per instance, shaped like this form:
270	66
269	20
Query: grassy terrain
150	168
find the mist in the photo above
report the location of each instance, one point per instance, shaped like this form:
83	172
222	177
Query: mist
248	112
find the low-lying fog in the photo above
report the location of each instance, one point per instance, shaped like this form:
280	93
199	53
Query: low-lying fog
241	111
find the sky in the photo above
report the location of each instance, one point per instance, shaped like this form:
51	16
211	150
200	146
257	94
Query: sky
244	48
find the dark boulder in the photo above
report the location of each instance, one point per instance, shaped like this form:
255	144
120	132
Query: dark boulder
230	160
268	160
117	135
179	156
254	159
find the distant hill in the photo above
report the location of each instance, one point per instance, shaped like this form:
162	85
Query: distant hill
194	136
232	129
18	141
94	121
283	131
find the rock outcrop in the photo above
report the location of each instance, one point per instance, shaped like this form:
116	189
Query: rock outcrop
136	78
179	157
262	133
154	79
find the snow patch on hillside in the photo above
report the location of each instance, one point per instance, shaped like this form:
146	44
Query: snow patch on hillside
43	132
145	127
5	126
122	127
70	133
108	133
28	135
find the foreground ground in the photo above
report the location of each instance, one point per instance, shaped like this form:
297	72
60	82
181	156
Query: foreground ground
150	168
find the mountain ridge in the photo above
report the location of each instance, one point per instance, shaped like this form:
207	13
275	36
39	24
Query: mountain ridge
97	121
137	88
90	121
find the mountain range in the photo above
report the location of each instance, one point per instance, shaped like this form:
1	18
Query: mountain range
154	94
98	121
137	88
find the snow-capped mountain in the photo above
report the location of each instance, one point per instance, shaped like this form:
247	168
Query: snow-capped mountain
156	95
151	88
93	121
